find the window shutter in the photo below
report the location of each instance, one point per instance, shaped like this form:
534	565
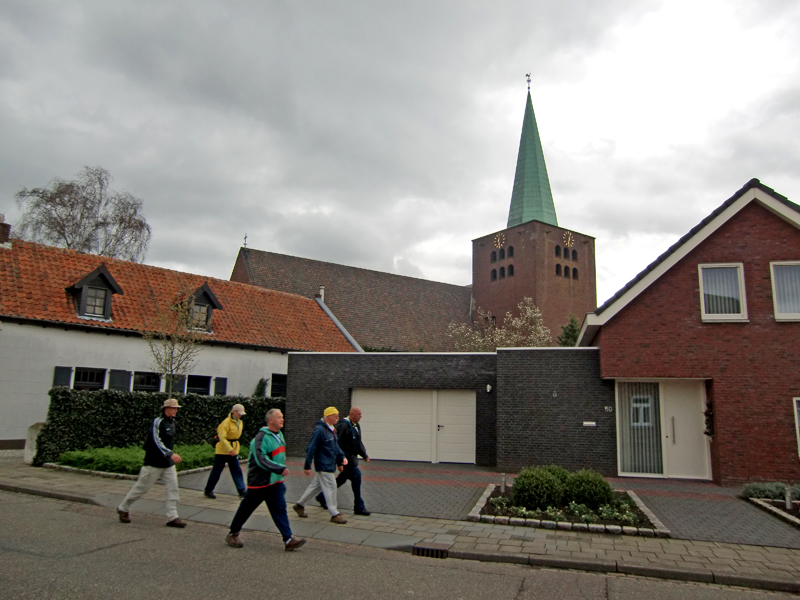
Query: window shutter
119	380
62	376
220	386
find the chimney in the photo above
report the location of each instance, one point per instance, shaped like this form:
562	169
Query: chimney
5	230
322	293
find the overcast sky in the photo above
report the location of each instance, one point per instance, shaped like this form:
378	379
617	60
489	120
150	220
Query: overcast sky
385	134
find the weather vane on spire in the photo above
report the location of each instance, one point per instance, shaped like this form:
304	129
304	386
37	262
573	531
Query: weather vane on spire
528	78
245	240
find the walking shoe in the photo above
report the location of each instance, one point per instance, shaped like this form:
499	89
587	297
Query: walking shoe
242	494
321	499
233	540
338	519
301	512
293	543
176	523
211	495
363	513
124	517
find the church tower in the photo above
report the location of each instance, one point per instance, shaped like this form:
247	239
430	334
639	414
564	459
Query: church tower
534	257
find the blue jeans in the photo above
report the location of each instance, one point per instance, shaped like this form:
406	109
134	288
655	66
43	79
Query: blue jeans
353	474
275	498
220	460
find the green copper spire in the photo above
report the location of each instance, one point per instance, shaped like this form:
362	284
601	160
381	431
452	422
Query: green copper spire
531	199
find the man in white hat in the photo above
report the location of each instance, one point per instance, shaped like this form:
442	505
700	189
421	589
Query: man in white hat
159	462
227	452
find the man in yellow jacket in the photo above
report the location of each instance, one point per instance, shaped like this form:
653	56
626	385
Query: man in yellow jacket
227	452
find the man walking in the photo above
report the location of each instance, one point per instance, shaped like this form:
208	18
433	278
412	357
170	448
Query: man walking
348	432
159	462
265	472
227	452
324	450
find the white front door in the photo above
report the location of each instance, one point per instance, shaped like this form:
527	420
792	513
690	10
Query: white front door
423	425
686	448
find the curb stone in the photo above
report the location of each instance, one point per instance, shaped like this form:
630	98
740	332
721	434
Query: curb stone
775	511
109	475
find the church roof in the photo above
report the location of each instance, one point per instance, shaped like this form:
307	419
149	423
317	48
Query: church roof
380	310
531	199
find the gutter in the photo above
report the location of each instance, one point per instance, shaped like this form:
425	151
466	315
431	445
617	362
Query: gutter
336	322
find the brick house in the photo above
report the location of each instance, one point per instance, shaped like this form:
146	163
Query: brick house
703	347
74	319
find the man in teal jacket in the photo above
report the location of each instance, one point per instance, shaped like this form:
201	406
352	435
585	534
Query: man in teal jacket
265	472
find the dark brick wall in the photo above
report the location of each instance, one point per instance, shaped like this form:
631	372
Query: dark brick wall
752	367
544	396
320	380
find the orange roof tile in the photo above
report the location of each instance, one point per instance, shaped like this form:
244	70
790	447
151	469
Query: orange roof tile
34	278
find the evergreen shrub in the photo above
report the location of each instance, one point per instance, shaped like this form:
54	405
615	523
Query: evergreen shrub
77	420
559	472
536	488
772	491
588	487
129	460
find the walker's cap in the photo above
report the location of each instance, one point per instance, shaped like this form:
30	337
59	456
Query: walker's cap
238	408
331	410
171	403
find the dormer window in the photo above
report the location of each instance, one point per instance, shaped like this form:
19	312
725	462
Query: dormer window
205	302
92	294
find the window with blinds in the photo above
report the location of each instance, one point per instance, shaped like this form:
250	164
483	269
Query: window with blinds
722	292
786	290
638	410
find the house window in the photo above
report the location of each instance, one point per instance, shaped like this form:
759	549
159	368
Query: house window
502	254
722	292
574	255
641	411
96	302
558	270
494	274
198	384
511	252
493	257
796	402
279	382
786	290
558	251
146	382
502	272
510	270
89	379
199	316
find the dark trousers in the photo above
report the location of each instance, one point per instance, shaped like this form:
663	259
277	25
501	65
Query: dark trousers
220	460
274	496
353	474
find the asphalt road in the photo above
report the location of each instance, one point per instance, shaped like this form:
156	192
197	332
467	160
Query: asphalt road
51	549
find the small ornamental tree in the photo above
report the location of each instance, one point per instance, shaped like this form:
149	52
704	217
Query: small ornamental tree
569	332
176	341
525	330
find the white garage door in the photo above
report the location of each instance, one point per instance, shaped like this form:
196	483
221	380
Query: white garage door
423	425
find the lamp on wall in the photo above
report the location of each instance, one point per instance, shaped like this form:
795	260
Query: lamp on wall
488	388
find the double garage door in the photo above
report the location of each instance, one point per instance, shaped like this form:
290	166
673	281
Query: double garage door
422	425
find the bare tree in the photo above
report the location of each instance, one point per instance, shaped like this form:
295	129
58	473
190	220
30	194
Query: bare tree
176	341
86	216
526	330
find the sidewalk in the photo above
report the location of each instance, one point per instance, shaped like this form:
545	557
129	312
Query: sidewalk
691	560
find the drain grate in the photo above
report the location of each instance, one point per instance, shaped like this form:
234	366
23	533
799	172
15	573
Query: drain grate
432	550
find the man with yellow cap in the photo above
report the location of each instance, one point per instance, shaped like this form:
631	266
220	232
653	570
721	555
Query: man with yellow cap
324	450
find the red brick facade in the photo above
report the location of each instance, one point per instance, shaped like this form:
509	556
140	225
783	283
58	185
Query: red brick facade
752	368
534	265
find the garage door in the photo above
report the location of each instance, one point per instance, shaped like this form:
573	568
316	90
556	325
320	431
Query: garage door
422	425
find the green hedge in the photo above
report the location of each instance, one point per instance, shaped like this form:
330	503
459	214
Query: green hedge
111	418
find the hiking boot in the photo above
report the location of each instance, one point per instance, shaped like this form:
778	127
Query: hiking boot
338	519
293	543
363	513
301	512
211	495
233	540
321	499
176	523
124	516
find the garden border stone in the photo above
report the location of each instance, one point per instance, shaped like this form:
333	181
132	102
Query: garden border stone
761	503
109	475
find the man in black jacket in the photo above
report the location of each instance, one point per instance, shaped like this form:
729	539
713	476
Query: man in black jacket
349	433
159	462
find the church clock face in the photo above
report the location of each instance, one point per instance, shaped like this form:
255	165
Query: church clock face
569	241
499	240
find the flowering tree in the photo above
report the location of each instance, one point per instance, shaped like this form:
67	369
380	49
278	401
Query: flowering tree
526	330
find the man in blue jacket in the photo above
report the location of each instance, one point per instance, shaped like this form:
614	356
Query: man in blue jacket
324	450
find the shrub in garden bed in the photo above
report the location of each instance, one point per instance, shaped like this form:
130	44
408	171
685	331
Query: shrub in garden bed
554	494
771	491
129	460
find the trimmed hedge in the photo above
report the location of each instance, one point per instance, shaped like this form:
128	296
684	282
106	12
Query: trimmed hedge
77	420
536	489
773	491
